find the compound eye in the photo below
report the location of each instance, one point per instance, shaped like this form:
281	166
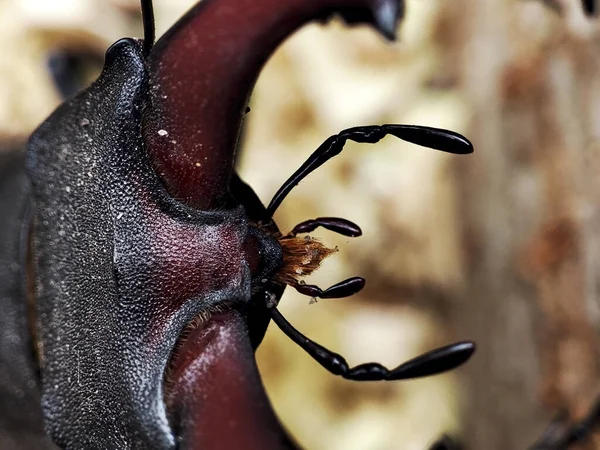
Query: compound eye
590	7
73	69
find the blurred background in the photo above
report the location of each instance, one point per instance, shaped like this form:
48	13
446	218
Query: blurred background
501	247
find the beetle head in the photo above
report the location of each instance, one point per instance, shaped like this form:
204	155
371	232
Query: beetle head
150	257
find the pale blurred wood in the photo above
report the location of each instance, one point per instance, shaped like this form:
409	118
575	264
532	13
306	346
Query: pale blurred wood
530	216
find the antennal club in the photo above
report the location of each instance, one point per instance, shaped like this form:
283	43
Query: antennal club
342	289
335	224
434	362
435	138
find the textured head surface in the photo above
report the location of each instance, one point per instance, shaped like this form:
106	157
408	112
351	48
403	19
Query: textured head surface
120	267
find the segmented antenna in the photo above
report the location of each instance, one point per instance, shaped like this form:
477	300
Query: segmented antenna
435	138
308	254
148	22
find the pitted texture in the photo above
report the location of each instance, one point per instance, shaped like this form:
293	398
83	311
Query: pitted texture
120	267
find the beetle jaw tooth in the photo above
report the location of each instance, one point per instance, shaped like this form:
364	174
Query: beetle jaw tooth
386	15
383	15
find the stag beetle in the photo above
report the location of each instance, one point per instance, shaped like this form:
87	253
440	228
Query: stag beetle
139	272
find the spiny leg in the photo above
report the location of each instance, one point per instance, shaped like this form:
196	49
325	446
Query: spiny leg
430	363
335	224
149	27
342	289
435	138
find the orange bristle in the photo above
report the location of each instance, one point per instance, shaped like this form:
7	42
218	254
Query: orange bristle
301	257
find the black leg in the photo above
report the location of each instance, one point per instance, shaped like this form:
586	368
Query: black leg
431	363
560	436
438	139
445	443
581	430
148	21
553	433
589	7
335	224
342	289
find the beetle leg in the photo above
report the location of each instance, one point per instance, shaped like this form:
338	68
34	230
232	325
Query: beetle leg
438	139
434	361
559	436
589	7
445	443
553	432
335	224
342	289
431	363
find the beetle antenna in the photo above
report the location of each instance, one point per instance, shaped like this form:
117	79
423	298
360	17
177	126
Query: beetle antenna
149	27
435	138
436	361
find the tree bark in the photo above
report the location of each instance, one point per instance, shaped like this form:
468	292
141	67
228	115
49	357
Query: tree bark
530	219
